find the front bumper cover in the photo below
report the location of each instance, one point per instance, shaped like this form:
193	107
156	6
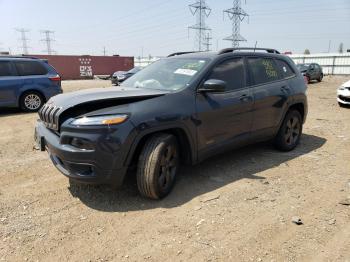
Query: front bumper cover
343	96
84	166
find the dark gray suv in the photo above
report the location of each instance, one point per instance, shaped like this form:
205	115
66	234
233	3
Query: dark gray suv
181	109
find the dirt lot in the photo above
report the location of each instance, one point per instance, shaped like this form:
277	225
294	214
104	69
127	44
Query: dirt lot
235	207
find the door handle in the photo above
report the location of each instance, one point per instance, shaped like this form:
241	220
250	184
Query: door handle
245	98
285	89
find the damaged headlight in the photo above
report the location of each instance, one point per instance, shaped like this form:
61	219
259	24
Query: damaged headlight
100	120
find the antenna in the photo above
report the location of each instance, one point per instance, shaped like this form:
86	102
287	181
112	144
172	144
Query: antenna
48	41
237	15
201	10
23	39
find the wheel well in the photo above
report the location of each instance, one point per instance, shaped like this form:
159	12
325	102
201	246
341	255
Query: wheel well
32	90
182	139
300	108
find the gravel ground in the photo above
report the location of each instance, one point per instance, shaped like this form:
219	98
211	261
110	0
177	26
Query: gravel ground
235	207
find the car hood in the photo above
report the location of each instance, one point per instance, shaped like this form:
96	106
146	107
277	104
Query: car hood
102	94
346	84
62	107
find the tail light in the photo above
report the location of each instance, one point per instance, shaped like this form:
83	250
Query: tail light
56	79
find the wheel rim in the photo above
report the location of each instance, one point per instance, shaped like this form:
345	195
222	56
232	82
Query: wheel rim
292	131
32	101
168	166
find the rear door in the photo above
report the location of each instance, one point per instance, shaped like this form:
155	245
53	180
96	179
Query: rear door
270	93
224	117
312	72
10	84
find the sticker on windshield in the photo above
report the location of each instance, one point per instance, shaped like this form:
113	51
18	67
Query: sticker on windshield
187	72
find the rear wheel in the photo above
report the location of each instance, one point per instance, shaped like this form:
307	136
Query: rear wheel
157	166
31	101
288	136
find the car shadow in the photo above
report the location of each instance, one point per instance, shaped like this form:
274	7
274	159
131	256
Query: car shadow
194	181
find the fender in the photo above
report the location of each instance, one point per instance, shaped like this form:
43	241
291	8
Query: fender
161	128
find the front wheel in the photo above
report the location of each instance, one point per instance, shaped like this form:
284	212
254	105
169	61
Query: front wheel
31	101
288	136
320	78
157	166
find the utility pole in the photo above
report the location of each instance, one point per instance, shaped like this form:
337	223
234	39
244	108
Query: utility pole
104	51
236	14
48	41
207	43
202	11
23	39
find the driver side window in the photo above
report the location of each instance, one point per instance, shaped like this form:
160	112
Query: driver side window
231	71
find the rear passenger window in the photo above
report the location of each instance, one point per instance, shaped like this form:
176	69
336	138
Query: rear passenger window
263	69
285	69
27	68
231	71
5	69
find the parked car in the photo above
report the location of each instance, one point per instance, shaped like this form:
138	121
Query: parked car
27	82
120	76
343	94
311	72
181	109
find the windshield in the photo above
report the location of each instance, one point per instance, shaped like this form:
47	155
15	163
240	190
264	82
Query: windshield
303	67
167	74
134	70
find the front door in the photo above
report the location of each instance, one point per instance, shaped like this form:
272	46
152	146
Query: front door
224	117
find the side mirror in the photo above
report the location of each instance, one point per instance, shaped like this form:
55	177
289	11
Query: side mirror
213	85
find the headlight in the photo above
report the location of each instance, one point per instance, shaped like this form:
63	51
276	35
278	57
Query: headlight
121	77
100	120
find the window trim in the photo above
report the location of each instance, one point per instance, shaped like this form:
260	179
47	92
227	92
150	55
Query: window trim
210	70
252	76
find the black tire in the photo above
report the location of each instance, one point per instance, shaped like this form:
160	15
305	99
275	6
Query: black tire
157	166
31	101
320	78
288	136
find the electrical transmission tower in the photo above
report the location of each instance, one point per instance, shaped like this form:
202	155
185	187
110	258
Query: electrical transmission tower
207	43
237	15
23	39
201	10
48	40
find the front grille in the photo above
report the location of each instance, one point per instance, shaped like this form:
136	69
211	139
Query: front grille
345	99
49	114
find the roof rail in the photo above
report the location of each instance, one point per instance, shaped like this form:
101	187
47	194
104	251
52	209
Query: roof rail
17	56
182	53
230	50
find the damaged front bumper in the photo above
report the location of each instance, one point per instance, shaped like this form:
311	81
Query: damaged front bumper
88	156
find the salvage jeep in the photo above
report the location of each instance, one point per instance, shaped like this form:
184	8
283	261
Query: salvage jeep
179	110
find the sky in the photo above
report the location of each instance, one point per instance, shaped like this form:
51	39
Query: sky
160	27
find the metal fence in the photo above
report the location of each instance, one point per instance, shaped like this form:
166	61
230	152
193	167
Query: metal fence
332	63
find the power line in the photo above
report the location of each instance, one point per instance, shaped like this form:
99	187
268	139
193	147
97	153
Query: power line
202	11
48	40
236	14
23	39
